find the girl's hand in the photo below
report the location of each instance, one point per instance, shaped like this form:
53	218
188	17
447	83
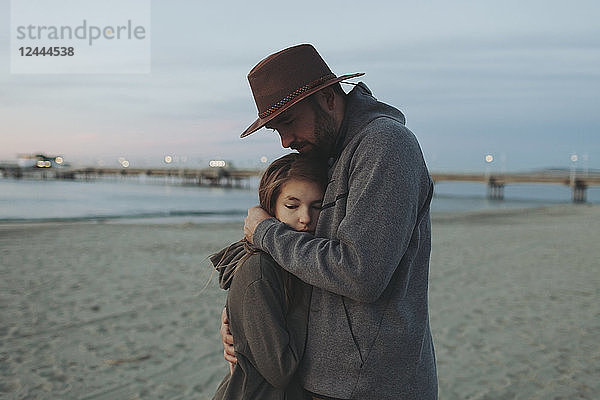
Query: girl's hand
227	338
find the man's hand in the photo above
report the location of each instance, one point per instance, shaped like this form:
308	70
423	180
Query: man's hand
256	215
227	338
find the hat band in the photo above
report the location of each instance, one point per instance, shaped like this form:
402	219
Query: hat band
294	94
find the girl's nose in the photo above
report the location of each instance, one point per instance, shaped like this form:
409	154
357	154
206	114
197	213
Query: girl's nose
304	217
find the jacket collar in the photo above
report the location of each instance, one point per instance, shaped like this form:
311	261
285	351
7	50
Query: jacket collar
361	108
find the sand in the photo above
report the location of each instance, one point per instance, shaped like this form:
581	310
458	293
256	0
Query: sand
117	311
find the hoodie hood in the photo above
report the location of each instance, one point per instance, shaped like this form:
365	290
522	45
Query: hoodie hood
226	260
361	109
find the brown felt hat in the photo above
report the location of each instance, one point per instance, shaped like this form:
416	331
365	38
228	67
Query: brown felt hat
286	77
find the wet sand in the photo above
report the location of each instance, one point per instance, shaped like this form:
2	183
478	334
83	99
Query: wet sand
117	311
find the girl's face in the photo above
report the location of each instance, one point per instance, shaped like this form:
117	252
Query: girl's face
299	204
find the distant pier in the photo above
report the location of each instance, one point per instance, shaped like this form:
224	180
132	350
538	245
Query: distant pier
226	177
223	177
577	181
232	177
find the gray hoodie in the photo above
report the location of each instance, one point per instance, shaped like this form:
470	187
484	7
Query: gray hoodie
368	334
269	335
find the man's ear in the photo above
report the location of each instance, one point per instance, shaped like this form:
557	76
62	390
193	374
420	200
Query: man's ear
327	99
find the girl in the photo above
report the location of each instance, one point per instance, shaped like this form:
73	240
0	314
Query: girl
267	307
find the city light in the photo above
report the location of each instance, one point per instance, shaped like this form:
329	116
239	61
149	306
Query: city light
59	160
263	159
168	159
217	163
124	163
574	157
489	158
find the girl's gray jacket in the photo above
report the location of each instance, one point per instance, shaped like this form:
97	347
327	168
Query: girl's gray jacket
368	332
269	335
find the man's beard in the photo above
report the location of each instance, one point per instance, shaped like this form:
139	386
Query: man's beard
325	133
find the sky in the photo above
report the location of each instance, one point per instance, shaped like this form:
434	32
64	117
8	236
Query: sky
516	79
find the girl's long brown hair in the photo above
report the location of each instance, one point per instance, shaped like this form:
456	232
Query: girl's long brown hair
284	169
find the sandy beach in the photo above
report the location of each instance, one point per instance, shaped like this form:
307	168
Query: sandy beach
117	311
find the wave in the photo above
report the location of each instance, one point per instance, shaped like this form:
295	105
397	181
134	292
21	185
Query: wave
225	214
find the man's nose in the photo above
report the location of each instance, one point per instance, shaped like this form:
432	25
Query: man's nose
286	140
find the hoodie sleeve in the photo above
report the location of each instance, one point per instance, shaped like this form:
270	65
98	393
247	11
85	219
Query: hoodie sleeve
388	186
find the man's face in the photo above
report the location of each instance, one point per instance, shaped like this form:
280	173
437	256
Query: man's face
305	127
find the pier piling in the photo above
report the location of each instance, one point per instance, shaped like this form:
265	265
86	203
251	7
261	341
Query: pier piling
579	192
495	190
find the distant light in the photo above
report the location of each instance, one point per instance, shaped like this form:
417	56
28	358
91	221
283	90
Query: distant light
47	164
217	163
574	158
41	164
168	159
59	160
121	159
489	158
263	159
125	163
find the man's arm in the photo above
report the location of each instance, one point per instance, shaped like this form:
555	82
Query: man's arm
388	184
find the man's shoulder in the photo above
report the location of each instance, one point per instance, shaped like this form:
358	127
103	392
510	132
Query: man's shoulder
382	135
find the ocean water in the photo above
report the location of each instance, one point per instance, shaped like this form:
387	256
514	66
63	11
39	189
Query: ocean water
133	200
56	200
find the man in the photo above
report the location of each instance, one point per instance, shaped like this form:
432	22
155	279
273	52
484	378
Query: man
368	333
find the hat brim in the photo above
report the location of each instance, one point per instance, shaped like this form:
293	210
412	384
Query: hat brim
260	122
